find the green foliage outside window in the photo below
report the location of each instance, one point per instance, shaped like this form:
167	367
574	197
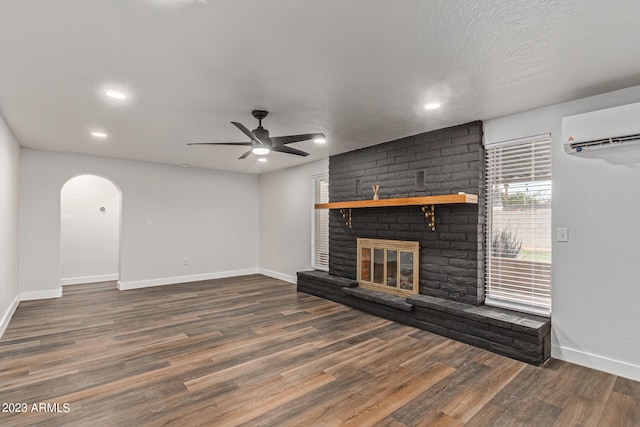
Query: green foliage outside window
505	244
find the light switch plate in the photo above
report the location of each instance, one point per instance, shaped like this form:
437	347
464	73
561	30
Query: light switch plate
562	234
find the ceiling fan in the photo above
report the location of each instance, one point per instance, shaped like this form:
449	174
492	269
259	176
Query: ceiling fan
261	143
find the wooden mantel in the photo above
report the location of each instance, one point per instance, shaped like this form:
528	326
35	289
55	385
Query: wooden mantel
445	199
427	202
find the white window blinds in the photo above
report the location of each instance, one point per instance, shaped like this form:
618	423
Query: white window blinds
320	223
518	256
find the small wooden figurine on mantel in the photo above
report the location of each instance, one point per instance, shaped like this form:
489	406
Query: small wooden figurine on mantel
375	191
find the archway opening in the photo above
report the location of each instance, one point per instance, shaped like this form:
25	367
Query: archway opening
90	216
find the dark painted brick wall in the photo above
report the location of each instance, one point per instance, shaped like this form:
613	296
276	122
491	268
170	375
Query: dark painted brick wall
445	161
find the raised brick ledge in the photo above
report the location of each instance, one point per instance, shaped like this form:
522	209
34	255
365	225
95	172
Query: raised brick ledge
520	322
380	298
327	279
517	335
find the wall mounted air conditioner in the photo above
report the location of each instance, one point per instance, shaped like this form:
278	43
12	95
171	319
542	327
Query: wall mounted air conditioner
602	129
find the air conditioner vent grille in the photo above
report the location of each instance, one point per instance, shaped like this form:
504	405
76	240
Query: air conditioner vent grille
605	142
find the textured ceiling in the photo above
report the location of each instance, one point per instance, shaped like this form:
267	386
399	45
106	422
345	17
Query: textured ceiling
358	70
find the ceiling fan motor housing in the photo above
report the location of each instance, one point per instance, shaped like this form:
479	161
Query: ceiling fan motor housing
262	134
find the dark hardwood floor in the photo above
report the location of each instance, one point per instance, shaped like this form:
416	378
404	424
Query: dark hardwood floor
252	351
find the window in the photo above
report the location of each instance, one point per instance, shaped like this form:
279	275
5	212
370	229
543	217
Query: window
518	233
320	223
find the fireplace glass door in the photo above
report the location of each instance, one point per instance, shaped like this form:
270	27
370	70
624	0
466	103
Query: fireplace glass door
392	268
388	265
365	264
378	266
406	270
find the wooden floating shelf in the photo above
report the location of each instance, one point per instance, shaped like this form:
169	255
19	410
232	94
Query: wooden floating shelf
445	199
427	202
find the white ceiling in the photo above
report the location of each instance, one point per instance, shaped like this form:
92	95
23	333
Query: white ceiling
358	70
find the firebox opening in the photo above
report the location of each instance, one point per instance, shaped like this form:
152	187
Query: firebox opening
389	266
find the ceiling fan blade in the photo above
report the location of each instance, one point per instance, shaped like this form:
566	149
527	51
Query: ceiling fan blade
219	143
289	150
245	155
247	132
295	138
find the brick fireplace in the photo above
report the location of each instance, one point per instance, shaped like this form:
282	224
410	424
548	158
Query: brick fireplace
446	161
450	264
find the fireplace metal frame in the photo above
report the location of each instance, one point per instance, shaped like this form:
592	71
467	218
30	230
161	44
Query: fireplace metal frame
385	283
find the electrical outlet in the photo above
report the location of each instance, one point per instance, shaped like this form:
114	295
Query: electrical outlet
186	261
562	234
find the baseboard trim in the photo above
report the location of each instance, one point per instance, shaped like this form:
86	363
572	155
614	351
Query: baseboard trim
137	284
9	314
601	363
30	296
280	276
88	279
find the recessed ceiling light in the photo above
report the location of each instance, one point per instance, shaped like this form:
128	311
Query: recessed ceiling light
115	94
262	159
99	134
320	140
432	106
260	151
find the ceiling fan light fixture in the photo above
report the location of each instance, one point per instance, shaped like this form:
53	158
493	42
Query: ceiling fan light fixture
115	94
320	140
260	151
432	106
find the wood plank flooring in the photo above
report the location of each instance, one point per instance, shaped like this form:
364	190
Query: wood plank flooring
252	351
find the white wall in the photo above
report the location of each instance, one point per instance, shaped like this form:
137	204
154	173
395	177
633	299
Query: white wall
168	214
595	291
90	230
9	173
285	220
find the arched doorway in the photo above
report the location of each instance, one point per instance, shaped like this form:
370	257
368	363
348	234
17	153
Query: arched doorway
90	215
